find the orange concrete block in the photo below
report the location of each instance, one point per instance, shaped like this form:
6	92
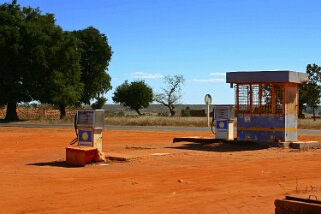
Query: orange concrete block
80	155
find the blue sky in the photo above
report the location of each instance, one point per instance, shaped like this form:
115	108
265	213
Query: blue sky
199	39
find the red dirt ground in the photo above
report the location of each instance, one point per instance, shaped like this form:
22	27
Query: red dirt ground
192	178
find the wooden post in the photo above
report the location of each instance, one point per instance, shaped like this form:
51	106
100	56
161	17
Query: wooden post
251	99
273	99
237	99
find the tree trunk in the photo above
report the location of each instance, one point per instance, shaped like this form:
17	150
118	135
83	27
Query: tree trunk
138	112
12	111
171	110
313	112
62	110
300	110
301	115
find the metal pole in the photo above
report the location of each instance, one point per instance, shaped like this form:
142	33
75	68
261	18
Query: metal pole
208	115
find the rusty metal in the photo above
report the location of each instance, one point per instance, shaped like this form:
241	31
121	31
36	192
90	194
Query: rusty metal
306	200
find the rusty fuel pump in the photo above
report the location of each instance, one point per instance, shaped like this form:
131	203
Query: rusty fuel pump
89	125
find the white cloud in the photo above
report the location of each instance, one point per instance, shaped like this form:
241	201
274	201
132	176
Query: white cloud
142	75
218	78
218	74
209	80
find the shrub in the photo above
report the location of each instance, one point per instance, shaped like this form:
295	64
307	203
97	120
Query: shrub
186	112
163	114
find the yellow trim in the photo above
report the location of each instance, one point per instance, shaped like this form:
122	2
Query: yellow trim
267	129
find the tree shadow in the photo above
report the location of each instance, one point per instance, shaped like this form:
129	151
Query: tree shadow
223	146
10	121
63	164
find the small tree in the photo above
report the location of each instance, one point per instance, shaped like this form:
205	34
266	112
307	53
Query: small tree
302	99
171	93
135	95
100	102
186	112
311	92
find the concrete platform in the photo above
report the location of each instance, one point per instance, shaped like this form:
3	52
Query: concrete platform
127	157
301	145
120	157
284	145
81	155
305	145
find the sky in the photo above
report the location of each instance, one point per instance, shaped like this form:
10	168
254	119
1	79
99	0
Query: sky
199	39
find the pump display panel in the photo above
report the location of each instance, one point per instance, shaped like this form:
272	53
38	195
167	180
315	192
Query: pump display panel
90	119
85	118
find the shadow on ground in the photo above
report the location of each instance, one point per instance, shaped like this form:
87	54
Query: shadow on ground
63	164
222	146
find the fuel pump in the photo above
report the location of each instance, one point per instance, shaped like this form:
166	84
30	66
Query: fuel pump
89	125
222	119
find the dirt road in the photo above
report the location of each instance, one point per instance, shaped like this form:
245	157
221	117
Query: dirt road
191	178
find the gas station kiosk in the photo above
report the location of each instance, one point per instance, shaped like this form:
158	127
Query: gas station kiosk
266	104
89	125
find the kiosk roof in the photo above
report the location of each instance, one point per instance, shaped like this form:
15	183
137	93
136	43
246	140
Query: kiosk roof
281	76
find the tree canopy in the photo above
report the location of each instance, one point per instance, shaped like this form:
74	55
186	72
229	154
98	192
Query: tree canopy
135	95
61	83
39	61
310	93
95	57
24	44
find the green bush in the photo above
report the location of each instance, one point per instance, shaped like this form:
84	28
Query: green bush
186	112
163	114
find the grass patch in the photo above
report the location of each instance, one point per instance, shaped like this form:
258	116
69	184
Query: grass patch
157	121
309	123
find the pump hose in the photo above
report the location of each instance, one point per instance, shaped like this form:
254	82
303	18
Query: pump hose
213	121
73	141
76	131
212	127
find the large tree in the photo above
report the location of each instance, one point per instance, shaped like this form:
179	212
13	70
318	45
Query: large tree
61	85
24	39
135	95
95	56
310	93
171	94
39	61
